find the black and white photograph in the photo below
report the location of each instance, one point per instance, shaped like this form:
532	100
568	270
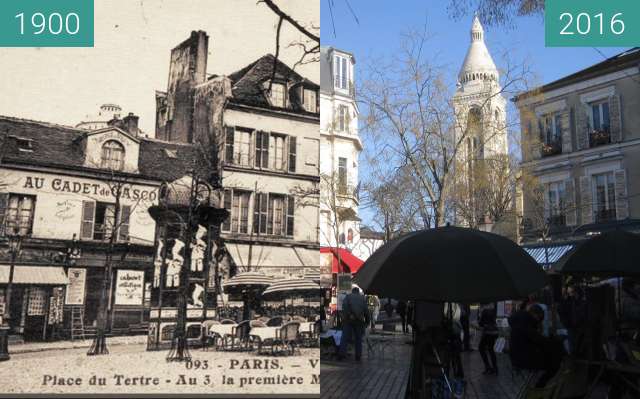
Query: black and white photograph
159	203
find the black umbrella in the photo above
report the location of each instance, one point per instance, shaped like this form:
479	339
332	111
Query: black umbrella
612	254
451	264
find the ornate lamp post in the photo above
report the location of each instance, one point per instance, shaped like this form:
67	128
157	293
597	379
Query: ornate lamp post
187	202
15	243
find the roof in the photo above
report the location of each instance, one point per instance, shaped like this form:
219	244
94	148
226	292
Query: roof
478	58
247	83
367	233
58	146
619	61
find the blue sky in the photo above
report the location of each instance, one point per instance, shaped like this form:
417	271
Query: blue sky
381	22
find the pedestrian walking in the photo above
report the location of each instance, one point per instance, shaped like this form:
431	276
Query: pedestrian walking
489	328
401	310
374	309
355	317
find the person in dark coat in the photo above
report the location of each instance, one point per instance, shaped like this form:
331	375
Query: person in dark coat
464	320
489	328
401	310
529	349
355	318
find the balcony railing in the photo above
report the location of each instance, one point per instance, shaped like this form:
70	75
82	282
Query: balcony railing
599	137
551	148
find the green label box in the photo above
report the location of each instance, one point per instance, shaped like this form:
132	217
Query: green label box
592	23
46	23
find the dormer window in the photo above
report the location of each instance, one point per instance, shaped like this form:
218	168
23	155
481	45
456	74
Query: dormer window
310	101
113	155
277	95
24	144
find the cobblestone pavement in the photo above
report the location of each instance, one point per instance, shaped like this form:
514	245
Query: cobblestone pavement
384	371
132	369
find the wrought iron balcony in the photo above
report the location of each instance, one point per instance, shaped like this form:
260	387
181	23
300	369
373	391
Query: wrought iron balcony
600	137
552	148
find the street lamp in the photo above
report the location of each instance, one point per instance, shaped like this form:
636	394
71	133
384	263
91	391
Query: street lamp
15	243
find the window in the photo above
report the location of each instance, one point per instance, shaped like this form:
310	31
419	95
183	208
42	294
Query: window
309	101
604	197
112	155
99	221
341	72
551	134
277	95
19	214
241	147
551	128
342	175
240	211
228	144
262	149
556	203
273	214
275	217
277	147
600	116
343	118
260	211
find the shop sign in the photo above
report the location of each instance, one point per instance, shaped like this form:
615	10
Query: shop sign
56	303
75	288
129	287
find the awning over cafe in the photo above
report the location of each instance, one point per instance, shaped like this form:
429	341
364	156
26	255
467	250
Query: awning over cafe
274	258
34	275
554	252
349	263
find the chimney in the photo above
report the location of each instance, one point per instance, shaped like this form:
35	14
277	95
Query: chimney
131	124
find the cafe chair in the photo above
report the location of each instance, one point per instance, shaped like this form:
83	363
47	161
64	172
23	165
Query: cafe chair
240	338
284	342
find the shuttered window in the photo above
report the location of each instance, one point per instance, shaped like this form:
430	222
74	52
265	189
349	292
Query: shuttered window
292	154
228	147
262	149
291	205
88	214
123	229
226	225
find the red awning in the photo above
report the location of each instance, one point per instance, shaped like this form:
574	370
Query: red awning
349	263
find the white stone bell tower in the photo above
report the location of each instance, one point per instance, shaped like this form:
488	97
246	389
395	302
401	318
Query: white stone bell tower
480	108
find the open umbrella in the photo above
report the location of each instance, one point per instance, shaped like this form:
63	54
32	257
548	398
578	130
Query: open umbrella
612	254
451	264
246	281
245	284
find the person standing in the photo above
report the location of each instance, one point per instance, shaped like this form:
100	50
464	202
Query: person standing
489	328
464	320
374	309
355	317
401	310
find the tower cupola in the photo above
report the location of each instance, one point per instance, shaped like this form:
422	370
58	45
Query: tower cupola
478	65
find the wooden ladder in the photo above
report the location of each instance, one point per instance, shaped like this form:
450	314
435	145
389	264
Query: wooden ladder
77	322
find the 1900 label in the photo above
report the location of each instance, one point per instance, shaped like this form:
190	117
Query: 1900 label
46	23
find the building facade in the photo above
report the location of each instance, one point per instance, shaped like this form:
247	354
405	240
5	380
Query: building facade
480	131
263	120
339	151
64	189
581	152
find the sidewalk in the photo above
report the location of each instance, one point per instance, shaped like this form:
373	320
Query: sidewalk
60	345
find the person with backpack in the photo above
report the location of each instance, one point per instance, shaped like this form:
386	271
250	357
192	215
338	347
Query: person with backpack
355	318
